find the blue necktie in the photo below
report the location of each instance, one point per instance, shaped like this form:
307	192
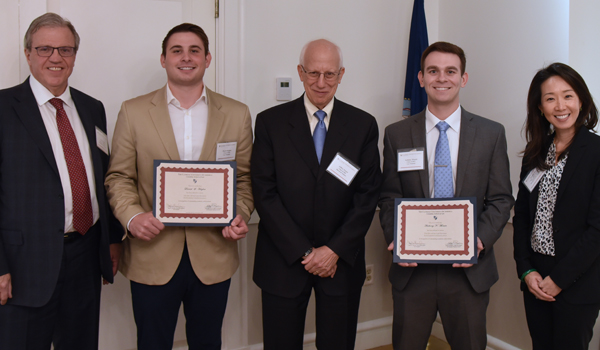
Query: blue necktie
319	133
443	187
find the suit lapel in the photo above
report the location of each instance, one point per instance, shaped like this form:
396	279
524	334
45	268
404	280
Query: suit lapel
27	110
419	140
336	136
575	156
466	141
300	136
159	114
216	119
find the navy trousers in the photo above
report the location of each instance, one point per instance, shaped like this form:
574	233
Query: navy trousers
70	320
155	310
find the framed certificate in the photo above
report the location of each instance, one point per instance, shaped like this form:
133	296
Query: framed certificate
435	231
188	193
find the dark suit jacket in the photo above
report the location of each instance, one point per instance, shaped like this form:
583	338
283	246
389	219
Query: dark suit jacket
576	223
482	172
302	206
32	214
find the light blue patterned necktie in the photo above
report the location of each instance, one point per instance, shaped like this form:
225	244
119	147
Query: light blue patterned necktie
319	133
443	187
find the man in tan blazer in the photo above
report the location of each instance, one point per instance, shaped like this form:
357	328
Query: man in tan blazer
171	265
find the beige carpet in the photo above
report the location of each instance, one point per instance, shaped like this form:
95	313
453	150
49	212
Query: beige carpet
434	344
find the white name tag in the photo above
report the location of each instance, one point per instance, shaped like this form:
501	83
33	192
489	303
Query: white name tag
226	151
533	178
343	169
101	140
411	159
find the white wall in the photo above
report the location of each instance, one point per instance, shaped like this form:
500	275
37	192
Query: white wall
584	46
506	42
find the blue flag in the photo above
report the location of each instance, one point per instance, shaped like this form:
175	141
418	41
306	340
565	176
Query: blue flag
415	98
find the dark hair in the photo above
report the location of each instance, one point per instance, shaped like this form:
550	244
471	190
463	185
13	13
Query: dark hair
538	129
52	20
186	28
442	46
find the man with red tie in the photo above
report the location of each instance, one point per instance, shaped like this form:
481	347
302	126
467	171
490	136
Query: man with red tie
58	237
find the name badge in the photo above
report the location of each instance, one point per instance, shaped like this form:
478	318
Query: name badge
343	169
101	140
226	151
411	159
533	178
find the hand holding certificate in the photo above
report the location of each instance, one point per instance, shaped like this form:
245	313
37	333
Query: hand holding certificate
435	231
194	193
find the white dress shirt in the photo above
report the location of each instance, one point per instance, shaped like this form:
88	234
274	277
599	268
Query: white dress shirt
48	112
189	125
433	134
310	113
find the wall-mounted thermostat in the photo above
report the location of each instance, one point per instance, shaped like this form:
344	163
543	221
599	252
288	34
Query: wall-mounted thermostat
284	89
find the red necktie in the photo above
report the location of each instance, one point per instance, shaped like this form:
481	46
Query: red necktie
82	203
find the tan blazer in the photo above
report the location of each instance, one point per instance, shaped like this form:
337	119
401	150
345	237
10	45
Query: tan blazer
144	133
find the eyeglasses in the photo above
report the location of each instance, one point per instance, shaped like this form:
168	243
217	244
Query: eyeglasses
329	76
47	51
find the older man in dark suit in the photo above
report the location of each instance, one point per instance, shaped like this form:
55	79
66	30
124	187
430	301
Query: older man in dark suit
313	213
55	221
476	150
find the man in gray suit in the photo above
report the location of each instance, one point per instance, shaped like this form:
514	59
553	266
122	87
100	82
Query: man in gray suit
479	168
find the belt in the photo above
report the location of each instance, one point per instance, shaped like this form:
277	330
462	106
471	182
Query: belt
70	236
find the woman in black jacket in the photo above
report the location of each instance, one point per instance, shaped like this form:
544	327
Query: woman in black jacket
557	212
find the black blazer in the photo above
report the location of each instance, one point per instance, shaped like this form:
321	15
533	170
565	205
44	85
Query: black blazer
302	206
576	223
31	197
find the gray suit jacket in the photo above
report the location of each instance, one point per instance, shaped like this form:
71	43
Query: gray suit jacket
482	172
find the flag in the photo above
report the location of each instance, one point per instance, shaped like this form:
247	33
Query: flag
415	98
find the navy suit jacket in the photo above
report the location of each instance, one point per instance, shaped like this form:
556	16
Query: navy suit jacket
303	206
576	223
31	197
482	172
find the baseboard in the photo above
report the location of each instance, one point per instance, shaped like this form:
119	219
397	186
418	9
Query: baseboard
374	333
493	343
180	345
370	334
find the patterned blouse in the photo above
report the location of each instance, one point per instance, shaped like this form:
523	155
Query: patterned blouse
542	240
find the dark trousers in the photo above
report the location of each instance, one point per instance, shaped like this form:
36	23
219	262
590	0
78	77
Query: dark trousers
336	319
156	308
558	324
434	288
70	320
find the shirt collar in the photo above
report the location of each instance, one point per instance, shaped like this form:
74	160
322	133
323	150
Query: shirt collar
453	120
43	95
171	99
311	108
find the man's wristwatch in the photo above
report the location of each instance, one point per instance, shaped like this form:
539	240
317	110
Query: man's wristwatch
307	253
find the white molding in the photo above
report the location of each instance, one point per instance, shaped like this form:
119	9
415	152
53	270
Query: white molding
220	50
493	343
370	334
375	333
242	50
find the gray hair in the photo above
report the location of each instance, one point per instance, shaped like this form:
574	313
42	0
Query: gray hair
49	20
303	52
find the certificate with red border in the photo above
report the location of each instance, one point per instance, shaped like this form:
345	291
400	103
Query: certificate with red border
188	193
435	231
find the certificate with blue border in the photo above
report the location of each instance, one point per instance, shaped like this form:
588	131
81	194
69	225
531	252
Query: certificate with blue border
190	193
435	230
